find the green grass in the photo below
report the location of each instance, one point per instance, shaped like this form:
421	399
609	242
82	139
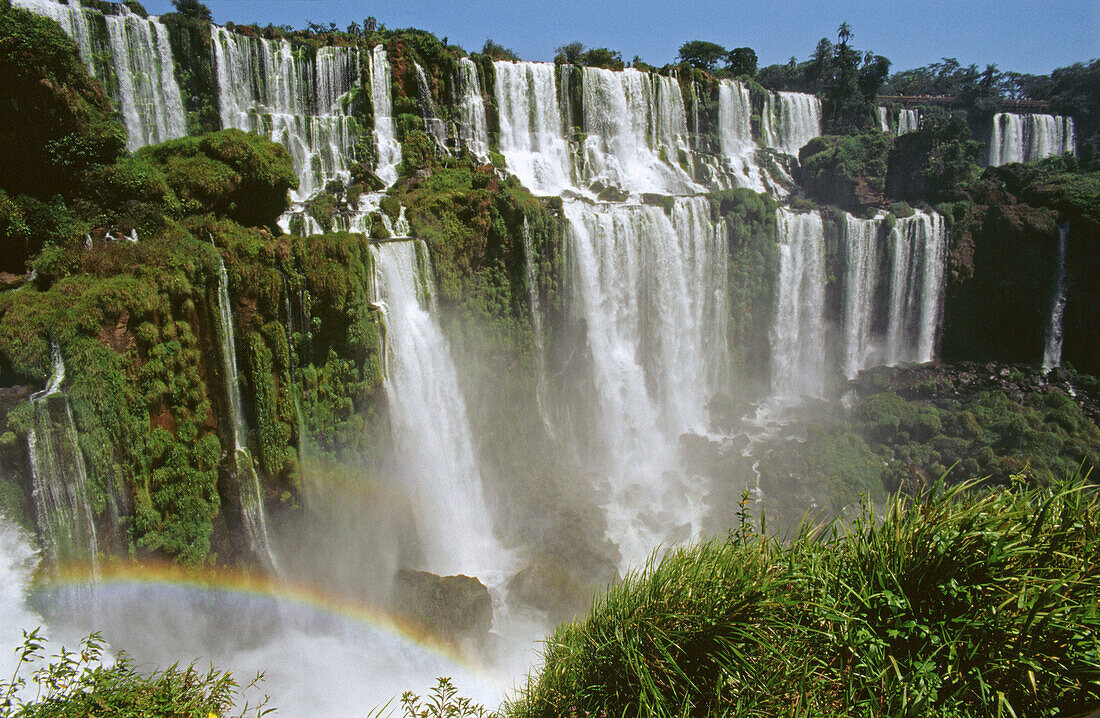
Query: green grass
957	602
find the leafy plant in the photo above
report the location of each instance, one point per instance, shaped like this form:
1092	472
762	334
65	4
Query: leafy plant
83	683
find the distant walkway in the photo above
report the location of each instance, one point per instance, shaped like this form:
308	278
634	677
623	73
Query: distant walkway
1027	105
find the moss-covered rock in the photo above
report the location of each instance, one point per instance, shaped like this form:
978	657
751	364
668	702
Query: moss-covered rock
847	171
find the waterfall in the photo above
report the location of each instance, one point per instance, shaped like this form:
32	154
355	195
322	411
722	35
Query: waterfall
1052	346
385	132
635	128
891	316
295	96
138	69
253	515
861	269
798	330
473	127
532	133
883	119
431	429
648	290
59	477
1023	138
919	254
789	120
434	126
542	388
735	135
18	561
908	121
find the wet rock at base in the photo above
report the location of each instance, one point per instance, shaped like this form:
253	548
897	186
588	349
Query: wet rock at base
452	607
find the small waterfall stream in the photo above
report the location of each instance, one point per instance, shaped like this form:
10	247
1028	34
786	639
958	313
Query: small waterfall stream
297	99
473	125
59	476
253	514
388	154
1052	346
789	120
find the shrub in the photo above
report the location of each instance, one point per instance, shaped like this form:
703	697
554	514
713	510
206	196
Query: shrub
81	683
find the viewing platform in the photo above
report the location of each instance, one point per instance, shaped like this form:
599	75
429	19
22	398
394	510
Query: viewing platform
946	100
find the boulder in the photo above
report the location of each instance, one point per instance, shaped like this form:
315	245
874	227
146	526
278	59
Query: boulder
452	607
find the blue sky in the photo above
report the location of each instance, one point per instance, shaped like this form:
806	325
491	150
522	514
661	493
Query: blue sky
1022	35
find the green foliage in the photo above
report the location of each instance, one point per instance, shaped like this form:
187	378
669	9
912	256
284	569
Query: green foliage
81	683
569	53
701	54
473	223
498	52
742	62
57	120
956	602
193	51
602	57
193	9
239	175
920	424
442	702
272	401
848	171
753	266
935	162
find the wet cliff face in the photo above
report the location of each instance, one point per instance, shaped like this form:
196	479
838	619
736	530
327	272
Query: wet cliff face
1002	266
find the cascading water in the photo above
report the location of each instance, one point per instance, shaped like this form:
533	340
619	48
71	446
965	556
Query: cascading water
649	289
296	97
473	126
433	125
431	430
59	477
735	134
789	120
1052	346
798	331
1023	138
533	136
18	561
883	119
906	301
861	269
253	514
919	255
388	154
636	129
542	387
134	61
907	120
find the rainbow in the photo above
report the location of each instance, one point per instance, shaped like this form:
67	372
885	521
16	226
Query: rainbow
229	582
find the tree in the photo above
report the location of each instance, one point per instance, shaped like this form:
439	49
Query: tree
498	52
742	61
844	33
702	54
821	68
193	8
603	57
569	53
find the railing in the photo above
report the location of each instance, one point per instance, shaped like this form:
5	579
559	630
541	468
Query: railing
948	100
